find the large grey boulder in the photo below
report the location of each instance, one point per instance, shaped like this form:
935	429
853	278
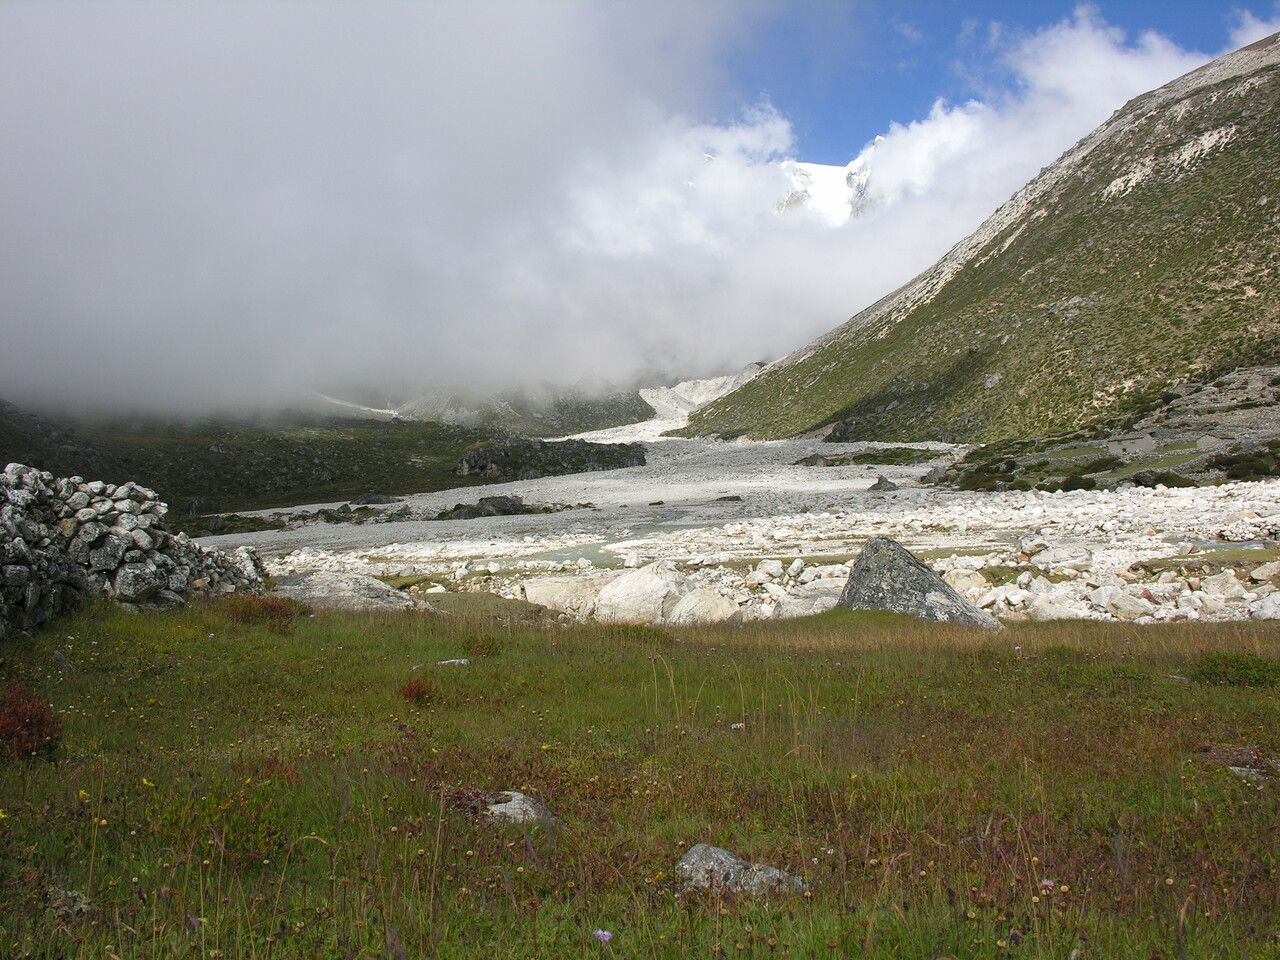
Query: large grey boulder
706	867
888	577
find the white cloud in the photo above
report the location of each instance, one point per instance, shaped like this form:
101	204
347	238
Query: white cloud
1247	28
219	202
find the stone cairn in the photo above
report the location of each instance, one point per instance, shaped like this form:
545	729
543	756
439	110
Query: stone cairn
64	540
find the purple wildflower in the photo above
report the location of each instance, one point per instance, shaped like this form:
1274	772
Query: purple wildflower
604	936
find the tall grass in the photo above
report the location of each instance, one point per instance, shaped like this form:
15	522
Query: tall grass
227	791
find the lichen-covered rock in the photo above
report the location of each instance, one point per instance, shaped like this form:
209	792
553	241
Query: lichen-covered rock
706	867
63	540
888	577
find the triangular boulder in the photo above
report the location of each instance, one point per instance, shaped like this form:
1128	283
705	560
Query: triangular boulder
888	577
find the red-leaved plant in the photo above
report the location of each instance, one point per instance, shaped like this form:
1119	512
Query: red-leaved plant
28	725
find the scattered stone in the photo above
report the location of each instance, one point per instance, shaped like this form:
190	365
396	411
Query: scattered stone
883	485
459	662
505	506
706	867
888	577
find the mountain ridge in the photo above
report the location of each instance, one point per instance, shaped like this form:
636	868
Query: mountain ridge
1172	160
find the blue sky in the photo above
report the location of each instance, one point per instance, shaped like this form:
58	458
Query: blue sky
841	72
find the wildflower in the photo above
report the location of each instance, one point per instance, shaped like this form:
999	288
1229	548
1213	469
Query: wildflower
84	796
148	784
604	936
3	815
1047	885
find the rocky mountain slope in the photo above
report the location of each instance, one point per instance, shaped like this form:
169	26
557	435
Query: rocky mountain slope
1148	255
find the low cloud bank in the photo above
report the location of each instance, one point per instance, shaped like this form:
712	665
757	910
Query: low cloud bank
208	205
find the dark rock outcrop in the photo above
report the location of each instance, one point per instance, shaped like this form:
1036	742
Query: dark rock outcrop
888	577
488	507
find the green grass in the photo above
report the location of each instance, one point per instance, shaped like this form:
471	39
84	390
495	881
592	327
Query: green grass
227	791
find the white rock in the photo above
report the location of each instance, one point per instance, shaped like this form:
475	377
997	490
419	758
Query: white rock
770	568
516	807
1120	604
647	595
572	595
1043	607
964	580
1268	571
796	568
702	605
1064	558
1224	585
1268	608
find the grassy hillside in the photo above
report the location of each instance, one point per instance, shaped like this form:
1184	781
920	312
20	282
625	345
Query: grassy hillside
1148	255
235	466
226	788
219	465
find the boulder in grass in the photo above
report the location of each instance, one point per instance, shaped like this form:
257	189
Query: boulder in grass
647	595
511	806
703	605
888	577
706	867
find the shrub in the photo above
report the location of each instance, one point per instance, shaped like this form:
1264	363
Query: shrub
1236	670
28	725
483	646
275	613
418	690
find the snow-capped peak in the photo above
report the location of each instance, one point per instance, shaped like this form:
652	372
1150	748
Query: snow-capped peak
832	193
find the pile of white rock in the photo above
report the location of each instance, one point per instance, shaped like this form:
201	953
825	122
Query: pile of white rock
1060	583
65	539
